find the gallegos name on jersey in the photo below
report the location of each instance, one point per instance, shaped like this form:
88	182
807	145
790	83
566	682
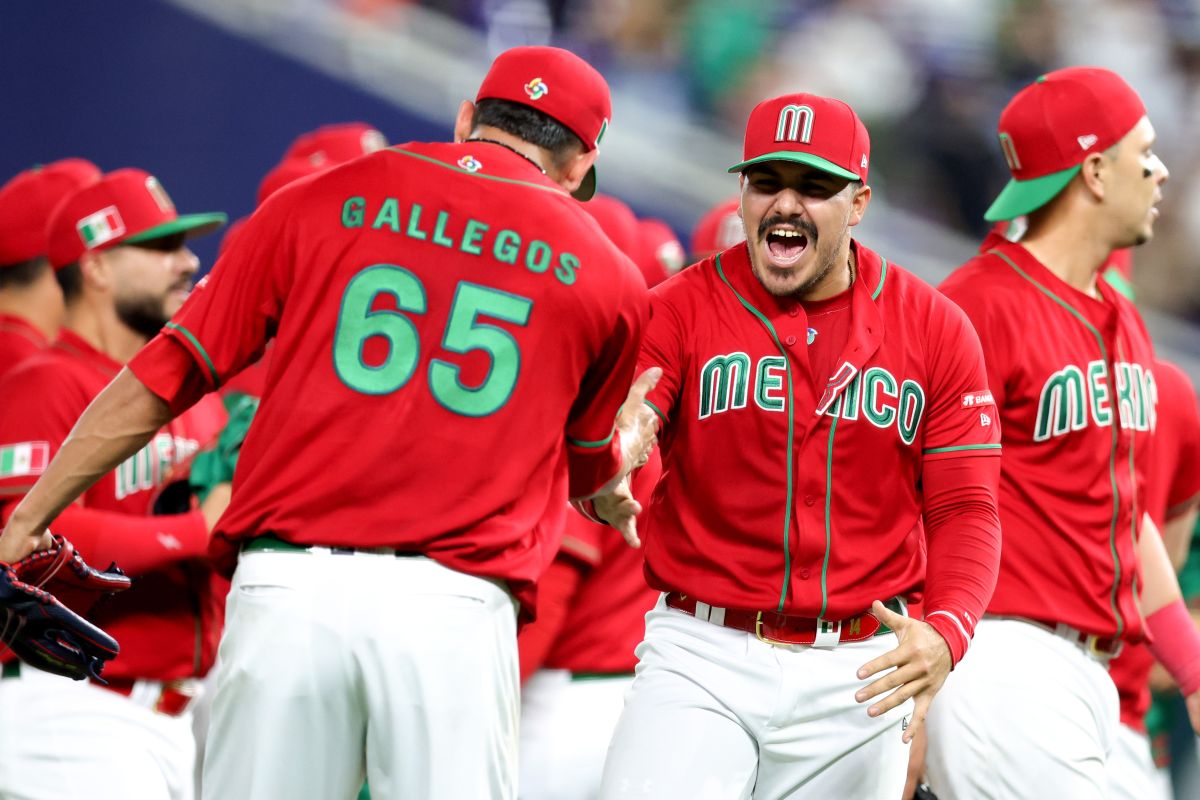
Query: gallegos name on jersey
146	468
874	395
1074	396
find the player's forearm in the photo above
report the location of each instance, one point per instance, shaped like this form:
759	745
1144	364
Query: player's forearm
118	423
962	527
1160	587
1177	537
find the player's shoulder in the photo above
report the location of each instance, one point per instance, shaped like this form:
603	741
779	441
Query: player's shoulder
897	290
1173	383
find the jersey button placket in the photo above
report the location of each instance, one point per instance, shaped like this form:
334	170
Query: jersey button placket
790	341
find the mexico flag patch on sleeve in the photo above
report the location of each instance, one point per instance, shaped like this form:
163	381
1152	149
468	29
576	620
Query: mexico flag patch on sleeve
24	458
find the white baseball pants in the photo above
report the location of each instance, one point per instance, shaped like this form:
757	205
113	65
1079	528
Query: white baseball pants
716	714
336	666
1131	770
61	738
566	727
1026	713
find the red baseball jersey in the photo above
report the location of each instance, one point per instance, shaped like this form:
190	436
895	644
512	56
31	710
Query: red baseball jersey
783	489
18	341
1072	377
606	618
169	623
444	317
1172	488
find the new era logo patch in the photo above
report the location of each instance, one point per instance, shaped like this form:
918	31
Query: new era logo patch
864	161
1087	141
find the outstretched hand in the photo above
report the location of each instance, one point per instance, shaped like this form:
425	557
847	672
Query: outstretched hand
637	422
919	666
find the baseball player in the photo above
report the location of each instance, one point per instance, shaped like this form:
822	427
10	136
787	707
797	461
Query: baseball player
719	229
118	249
446	322
1033	712
31	302
829	449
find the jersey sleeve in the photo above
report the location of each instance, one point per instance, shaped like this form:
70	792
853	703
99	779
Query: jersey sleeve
1184	491
986	320
38	408
962	413
663	347
234	310
593	444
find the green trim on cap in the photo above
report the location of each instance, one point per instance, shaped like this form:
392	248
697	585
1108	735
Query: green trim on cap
192	224
800	158
1021	197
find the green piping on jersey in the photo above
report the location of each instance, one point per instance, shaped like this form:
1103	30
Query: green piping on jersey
931	450
882	277
601	443
1133	516
462	171
828	501
787	507
657	410
1112	453
212	371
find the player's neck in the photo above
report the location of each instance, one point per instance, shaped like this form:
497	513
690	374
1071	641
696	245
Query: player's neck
97	323
1069	248
538	155
34	306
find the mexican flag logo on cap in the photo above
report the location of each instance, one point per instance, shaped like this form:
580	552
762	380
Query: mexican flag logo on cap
100	228
26	458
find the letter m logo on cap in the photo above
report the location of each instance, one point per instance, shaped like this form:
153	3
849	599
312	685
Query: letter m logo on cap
795	124
1010	152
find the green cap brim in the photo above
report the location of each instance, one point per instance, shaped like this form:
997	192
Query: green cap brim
587	189
1021	197
799	158
191	225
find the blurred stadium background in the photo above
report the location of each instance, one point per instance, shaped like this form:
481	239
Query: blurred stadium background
207	94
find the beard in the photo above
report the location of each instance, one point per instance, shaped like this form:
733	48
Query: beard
144	313
826	263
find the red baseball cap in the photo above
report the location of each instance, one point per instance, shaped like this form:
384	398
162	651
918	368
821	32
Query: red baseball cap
562	86
27	200
319	150
126	206
336	143
1052	125
719	229
660	253
808	129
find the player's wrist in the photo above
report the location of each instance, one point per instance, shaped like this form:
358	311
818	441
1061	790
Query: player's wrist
1175	642
955	635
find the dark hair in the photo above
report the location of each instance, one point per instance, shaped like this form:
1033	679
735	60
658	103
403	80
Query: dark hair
70	278
529	124
23	273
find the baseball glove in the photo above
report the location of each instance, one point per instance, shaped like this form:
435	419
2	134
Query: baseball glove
43	632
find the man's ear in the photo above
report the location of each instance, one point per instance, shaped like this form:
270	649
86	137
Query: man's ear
96	268
859	203
462	123
1094	173
577	169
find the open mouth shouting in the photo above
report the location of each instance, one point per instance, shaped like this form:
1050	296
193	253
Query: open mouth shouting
786	240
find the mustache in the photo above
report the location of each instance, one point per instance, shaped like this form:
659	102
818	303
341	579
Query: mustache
804	225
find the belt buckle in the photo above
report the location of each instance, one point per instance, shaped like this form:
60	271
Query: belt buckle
1093	649
813	642
758	623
